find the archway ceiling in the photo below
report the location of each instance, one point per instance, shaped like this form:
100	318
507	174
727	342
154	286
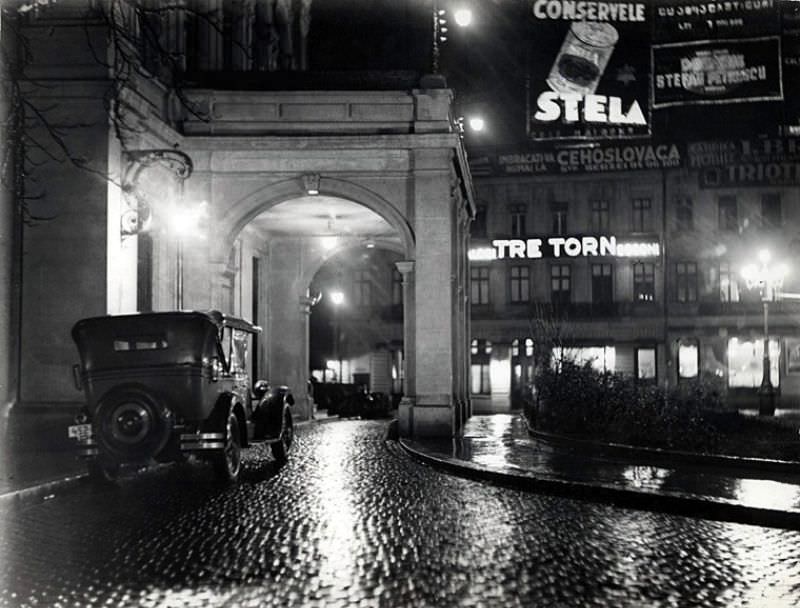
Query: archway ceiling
322	216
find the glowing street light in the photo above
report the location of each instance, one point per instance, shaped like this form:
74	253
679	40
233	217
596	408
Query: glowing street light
185	222
463	17
477	123
769	280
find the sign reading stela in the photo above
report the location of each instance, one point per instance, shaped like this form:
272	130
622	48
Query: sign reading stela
564	246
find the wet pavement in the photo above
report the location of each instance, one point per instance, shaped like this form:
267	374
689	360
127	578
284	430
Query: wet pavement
353	520
502	443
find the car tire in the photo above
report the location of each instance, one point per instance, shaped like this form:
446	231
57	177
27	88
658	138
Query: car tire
228	461
102	473
280	449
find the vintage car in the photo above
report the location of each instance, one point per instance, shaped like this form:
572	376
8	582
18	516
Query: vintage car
159	386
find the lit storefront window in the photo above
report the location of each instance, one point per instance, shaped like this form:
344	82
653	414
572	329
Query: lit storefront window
601	358
688	360
646	363
745	361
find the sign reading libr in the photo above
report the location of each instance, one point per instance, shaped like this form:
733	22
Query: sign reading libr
565	246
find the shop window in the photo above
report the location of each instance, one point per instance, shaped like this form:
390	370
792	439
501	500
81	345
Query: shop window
644	282
746	362
560	284
520	283
646	364
601	358
600	215
684	213
558	212
529	347
642	214
479	285
728	286
688	360
602	284
771	210
728	213
686	281
518	216
515	348
480	382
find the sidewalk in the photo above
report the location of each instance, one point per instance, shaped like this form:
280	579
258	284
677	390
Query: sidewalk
499	448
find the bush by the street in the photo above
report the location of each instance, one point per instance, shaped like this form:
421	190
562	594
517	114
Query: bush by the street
578	401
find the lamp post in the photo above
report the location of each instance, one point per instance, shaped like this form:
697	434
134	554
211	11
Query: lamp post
337	299
769	280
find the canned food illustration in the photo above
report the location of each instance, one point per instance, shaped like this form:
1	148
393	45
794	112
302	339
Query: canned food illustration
583	57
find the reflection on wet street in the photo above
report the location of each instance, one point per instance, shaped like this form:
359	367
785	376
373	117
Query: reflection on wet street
354	521
502	441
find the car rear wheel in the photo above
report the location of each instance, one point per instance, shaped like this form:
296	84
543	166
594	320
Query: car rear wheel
280	449
228	461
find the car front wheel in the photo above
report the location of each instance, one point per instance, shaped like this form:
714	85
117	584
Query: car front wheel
280	449
228	461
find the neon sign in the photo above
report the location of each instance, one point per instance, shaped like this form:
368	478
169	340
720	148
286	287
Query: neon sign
559	246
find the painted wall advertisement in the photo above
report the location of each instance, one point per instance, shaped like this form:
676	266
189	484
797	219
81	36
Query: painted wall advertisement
600	158
589	69
714	72
738	163
684	20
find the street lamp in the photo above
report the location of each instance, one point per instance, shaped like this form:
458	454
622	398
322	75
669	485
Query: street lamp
769	279
337	299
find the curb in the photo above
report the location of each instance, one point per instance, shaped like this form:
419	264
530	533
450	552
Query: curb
42	491
702	507
658	455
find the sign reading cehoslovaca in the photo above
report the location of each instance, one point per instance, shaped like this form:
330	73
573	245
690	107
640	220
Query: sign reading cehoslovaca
589	69
716	72
595	159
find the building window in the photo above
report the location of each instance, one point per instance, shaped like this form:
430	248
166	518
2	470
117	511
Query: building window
684	213
601	358
479	285
478	228
560	284
728	214
479	367
520	284
746	362
558	211
686	281
518	213
646	364
644	282
602	284
728	286
600	213
363	288
642	210
688	360
397	287
771	211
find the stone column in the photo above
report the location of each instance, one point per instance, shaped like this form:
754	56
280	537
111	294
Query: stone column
434	275
209	39
242	35
405	408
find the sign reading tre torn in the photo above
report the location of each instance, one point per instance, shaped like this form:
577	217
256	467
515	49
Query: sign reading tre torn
589	69
565	246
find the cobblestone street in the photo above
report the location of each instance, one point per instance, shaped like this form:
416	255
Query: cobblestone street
353	521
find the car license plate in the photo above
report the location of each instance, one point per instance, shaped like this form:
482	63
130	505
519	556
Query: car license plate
81	432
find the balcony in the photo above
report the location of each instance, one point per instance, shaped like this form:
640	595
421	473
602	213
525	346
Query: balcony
573	310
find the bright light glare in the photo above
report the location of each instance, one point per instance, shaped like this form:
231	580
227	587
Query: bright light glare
764	256
477	124
185	220
749	273
463	17
337	297
329	242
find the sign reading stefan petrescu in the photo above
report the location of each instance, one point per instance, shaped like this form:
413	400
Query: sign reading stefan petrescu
564	246
589	69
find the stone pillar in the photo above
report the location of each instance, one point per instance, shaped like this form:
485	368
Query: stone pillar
434	410
406	406
242	35
209	39
286	314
